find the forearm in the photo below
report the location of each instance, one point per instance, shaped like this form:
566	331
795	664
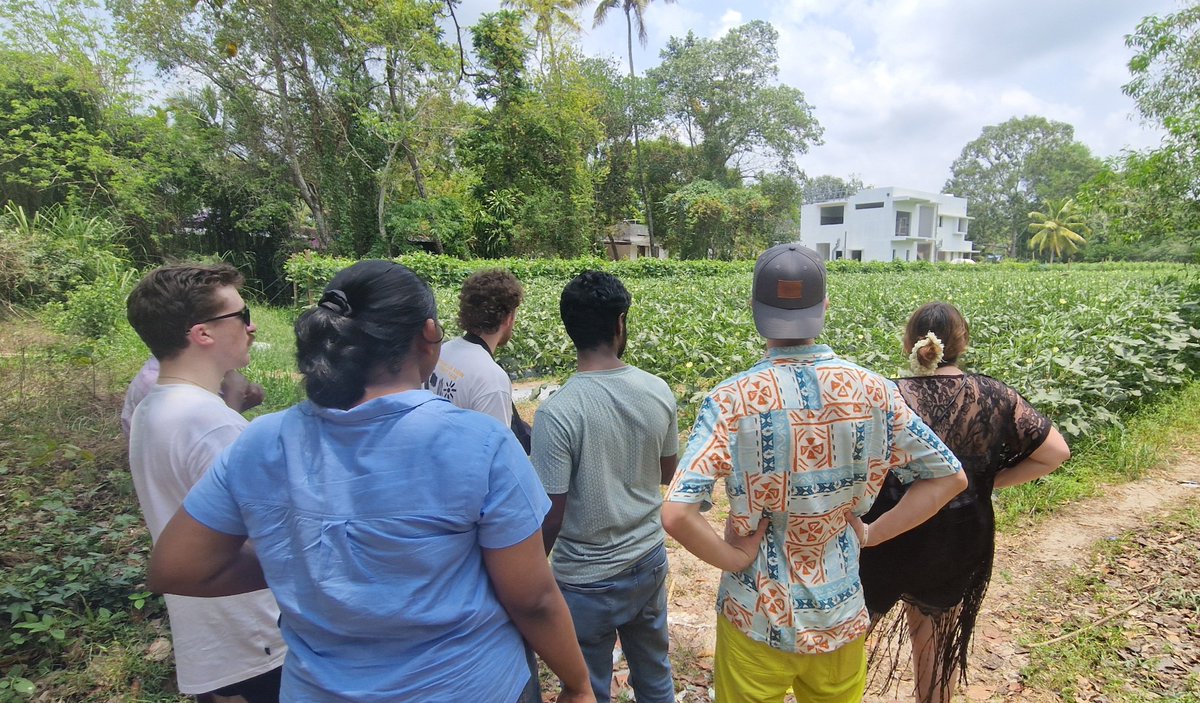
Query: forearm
684	522
191	559
1046	458
921	501
1024	472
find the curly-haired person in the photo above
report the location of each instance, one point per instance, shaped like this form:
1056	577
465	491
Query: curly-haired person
467	373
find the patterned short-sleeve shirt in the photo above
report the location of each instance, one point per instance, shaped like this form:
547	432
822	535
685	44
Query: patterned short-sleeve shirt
799	438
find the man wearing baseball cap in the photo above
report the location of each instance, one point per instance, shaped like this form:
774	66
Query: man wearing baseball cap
803	441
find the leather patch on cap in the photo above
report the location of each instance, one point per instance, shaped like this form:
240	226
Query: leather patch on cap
789	290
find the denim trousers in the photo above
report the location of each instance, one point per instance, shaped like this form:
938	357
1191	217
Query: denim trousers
633	604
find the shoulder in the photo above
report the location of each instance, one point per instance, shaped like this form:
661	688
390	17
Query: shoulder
271	424
994	388
874	384
180	406
649	380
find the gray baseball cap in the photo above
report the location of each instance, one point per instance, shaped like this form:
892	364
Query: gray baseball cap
789	293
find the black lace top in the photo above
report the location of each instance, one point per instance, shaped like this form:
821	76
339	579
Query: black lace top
989	427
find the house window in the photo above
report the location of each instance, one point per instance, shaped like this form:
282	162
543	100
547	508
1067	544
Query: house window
867	206
833	214
856	254
908	254
902	223
962	225
940	221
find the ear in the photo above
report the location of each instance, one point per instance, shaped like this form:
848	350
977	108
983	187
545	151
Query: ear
621	329
198	335
431	333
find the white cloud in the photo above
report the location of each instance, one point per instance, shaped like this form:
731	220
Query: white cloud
729	20
901	85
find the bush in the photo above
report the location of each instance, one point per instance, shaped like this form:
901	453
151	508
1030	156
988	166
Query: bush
54	252
95	309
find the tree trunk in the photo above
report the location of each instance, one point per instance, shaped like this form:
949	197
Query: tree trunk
307	192
637	145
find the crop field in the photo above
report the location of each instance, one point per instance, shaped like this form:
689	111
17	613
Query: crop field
1083	345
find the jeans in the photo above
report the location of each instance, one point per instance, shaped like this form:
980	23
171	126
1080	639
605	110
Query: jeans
533	689
633	604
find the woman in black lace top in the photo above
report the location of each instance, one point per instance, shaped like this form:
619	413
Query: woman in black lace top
940	570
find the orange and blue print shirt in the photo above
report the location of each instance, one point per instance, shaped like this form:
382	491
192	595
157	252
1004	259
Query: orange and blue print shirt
799	438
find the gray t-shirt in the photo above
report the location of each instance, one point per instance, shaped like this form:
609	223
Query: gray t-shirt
599	440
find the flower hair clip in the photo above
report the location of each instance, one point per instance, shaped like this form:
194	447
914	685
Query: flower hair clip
915	363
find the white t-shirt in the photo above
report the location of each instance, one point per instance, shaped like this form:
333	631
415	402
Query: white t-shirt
469	377
175	434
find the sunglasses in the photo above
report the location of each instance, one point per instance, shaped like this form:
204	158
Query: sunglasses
244	313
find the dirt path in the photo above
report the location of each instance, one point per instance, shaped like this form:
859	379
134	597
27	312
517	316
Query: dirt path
1044	555
1025	561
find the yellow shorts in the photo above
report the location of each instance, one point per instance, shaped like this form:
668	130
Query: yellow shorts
752	672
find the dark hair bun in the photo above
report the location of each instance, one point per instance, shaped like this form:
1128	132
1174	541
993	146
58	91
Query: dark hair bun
366	322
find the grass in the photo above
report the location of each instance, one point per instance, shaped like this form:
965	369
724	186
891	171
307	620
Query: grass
1151	438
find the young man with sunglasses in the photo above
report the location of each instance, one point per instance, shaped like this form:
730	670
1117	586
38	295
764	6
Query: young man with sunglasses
198	327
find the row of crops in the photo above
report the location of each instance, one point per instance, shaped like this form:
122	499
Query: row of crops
1083	345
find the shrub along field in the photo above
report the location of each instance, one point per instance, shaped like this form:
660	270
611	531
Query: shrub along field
1087	344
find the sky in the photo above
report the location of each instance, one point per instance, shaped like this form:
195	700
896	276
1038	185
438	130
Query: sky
901	86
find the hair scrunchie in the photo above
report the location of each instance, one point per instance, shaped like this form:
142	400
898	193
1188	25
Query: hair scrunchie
336	301
916	364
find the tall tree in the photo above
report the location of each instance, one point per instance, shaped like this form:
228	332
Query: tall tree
529	145
721	93
1011	169
635	11
548	16
1060	228
827	187
1165	83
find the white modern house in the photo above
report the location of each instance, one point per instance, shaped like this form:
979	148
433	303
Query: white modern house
888	224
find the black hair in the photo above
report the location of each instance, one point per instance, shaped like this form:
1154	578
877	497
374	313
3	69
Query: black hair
170	299
591	306
368	316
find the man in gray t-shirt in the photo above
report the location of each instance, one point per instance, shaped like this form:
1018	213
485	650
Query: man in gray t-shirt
602	445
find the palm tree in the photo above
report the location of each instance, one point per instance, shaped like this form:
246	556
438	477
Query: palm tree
634	14
1060	229
546	14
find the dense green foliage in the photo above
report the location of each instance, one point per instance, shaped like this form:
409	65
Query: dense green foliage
1014	168
367	129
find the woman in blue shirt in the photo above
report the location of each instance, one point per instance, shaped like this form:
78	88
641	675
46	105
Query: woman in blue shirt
400	535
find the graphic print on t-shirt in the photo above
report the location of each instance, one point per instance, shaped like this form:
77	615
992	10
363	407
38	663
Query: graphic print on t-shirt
442	386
